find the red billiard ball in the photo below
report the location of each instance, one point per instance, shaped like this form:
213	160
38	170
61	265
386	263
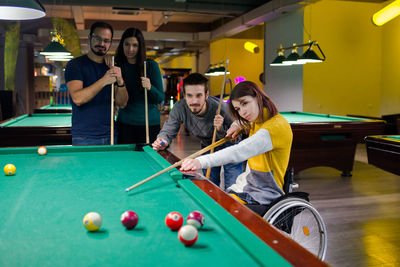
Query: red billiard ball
195	218
188	235
174	220
129	219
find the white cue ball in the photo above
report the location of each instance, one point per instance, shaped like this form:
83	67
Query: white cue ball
42	151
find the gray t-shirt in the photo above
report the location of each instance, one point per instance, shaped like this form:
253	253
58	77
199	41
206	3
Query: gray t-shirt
201	127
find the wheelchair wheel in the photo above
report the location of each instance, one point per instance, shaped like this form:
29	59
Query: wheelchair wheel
301	222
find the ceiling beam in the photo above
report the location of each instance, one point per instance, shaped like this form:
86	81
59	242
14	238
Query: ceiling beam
159	36
155	21
206	6
78	17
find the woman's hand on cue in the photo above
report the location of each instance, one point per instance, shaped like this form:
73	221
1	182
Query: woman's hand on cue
146	83
190	165
233	131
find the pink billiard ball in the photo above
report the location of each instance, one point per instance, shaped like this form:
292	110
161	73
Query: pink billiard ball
174	220
188	235
129	219
195	218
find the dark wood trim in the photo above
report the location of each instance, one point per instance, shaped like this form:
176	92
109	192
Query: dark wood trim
57	110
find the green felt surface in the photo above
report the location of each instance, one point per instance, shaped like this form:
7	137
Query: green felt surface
304	117
393	137
58	106
44	203
56	119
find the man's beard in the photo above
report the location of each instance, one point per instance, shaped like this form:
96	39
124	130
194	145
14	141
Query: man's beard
99	53
197	112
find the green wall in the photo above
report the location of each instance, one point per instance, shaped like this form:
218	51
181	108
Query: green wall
11	54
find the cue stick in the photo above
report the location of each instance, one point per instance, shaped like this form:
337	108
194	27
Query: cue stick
218	112
146	106
112	107
198	153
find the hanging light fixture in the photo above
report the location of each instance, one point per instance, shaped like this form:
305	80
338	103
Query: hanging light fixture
279	59
55	48
221	70
21	10
60	57
210	71
310	56
294	59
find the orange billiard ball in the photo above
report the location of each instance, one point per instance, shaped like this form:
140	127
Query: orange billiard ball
9	169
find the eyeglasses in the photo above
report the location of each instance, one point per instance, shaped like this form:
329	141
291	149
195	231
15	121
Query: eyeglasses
98	39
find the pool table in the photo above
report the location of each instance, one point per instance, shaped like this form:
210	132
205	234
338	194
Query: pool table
43	205
36	129
327	140
383	151
56	108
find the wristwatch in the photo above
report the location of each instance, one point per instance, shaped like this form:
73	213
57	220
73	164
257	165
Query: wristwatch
122	85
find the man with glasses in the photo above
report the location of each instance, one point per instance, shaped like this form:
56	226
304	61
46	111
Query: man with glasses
89	82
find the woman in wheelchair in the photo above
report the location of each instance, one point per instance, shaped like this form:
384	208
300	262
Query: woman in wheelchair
267	149
265	185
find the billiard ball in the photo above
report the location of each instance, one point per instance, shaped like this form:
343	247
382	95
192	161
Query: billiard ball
195	218
9	169
188	235
42	151
129	219
92	221
174	220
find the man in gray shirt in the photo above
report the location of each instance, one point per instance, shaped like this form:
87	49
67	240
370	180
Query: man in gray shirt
197	112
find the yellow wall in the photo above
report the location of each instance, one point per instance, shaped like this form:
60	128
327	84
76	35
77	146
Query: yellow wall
390	85
349	81
182	62
241	62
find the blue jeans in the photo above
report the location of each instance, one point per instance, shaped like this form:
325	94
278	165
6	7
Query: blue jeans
231	170
93	140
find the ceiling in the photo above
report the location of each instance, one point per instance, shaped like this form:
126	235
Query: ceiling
172	26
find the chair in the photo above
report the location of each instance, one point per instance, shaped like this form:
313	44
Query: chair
293	215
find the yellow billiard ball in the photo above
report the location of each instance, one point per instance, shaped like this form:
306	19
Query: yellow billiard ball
9	169
92	221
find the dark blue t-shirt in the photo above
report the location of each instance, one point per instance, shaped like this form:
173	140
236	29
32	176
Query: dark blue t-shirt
91	119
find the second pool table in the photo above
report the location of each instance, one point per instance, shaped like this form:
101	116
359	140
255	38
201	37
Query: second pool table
36	129
383	151
327	140
55	108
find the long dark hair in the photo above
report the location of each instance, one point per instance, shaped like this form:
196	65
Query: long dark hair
141	54
248	88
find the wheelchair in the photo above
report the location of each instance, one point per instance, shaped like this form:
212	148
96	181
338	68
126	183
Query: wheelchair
294	216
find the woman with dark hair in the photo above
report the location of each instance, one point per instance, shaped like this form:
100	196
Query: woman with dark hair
267	148
130	57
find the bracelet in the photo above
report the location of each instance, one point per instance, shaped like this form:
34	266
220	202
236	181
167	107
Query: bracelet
121	85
